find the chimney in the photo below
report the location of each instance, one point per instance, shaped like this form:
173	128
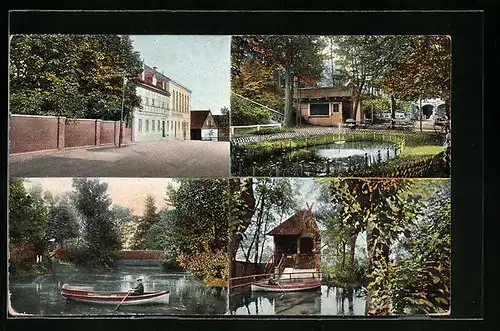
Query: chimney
143	74
154	78
154	68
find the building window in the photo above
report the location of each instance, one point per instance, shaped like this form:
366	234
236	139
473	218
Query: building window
159	125
139	125
153	125
147	100
147	125
335	107
319	109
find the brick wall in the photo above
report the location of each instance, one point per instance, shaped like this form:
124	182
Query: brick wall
80	133
35	133
29	133
140	255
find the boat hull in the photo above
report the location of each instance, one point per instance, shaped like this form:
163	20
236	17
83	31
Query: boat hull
114	298
265	287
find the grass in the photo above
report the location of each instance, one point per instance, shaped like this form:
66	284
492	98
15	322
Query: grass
421	150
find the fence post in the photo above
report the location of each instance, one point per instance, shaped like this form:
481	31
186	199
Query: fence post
258	128
379	157
97	140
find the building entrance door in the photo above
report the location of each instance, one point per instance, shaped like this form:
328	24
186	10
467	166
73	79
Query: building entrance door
163	128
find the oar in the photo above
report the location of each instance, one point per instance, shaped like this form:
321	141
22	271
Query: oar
278	283
123	299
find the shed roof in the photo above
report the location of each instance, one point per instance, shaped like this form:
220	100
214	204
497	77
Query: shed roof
296	224
324	92
198	118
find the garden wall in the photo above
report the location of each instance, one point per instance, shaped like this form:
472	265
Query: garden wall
31	133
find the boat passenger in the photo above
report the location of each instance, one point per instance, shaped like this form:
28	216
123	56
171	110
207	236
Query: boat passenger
139	288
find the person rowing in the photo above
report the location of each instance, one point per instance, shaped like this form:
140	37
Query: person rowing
138	289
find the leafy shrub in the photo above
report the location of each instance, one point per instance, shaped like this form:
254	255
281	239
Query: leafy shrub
264	130
210	267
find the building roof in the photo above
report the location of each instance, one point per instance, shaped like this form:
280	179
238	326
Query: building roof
296	224
222	121
163	77
198	118
324	92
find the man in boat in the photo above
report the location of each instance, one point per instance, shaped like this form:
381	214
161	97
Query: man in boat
138	289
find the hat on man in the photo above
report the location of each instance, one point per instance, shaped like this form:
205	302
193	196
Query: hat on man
139	279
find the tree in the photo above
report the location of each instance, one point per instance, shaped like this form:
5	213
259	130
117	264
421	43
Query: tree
366	59
149	219
274	199
377	206
72	75
423	70
293	55
62	222
101	232
421	283
27	216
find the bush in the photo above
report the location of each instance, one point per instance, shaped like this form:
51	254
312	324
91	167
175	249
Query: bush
210	267
83	256
263	131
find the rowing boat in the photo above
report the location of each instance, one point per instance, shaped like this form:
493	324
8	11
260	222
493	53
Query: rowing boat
264	286
89	295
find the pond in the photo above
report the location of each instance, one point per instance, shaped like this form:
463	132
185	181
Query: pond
42	295
324	301
321	160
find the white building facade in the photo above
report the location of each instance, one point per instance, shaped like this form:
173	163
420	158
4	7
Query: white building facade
165	108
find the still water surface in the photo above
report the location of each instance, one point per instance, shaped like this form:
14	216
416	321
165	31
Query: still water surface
324	301
42	295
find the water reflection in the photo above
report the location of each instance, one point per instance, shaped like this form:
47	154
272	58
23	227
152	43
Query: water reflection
324	301
41	295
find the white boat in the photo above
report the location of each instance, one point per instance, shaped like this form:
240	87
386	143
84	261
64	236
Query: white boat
264	286
89	295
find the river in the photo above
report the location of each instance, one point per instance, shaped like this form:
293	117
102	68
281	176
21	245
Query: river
42	295
324	301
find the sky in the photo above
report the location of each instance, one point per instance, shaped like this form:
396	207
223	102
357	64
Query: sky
200	63
127	192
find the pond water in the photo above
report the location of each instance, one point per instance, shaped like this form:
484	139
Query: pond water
42	295
322	160
324	301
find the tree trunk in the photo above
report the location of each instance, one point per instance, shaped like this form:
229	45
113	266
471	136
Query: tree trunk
288	97
421	112
352	248
249	200
376	304
393	109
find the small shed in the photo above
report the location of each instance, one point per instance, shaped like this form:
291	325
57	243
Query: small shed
203	125
327	106
298	239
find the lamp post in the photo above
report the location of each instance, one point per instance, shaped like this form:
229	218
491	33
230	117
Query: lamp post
120	138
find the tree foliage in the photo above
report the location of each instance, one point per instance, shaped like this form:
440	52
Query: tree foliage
149	219
77	76
100	230
291	55
27	216
275	198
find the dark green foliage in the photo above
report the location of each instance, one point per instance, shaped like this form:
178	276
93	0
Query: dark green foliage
62	222
100	231
149	219
72	75
245	113
422	282
27	216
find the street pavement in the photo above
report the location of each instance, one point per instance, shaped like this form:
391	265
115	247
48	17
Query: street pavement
166	159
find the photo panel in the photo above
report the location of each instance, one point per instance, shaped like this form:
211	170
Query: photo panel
341	106
117	246
341	247
119	105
